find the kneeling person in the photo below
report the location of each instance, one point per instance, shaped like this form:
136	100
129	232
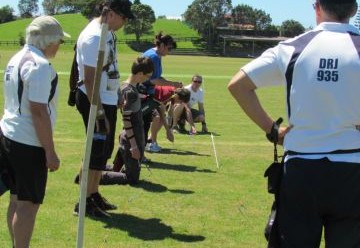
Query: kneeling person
132	138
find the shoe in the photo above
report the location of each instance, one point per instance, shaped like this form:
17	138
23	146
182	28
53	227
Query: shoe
102	202
91	210
147	147
153	147
145	160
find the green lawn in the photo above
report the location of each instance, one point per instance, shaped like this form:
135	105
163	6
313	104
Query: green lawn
74	23
184	200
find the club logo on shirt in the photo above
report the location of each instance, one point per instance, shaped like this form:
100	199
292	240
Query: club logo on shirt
328	70
8	72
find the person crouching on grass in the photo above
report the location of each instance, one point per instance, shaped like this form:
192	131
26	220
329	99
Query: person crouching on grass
170	99
27	146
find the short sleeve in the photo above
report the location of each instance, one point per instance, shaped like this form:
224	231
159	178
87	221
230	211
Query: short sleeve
265	70
37	78
90	51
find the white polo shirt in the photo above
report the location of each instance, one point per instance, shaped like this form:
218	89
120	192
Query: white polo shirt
38	77
195	97
321	72
87	54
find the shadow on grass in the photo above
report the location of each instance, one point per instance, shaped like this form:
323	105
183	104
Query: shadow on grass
181	152
146	229
178	167
200	133
158	188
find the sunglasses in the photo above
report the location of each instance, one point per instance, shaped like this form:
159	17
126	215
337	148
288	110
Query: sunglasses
197	81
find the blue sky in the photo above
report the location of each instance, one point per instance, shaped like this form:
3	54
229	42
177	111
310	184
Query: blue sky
279	10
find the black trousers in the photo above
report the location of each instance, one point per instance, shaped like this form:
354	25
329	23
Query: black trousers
317	195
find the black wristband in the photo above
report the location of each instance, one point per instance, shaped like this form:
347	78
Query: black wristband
273	136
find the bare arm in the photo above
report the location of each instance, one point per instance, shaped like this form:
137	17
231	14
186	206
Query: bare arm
201	108
189	118
42	125
243	90
169	134
164	82
89	77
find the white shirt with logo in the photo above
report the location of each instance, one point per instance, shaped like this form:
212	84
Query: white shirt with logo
321	74
36	74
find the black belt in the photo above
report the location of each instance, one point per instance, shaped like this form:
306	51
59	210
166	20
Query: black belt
320	153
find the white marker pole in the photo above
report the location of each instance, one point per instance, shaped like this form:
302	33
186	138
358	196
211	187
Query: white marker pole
216	158
90	132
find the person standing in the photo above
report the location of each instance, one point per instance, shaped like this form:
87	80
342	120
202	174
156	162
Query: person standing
27	145
163	46
115	13
320	69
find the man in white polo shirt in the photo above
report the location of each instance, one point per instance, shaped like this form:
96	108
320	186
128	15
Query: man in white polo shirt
320	69
115	13
190	113
26	136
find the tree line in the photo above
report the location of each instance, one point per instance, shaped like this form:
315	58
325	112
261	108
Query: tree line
205	16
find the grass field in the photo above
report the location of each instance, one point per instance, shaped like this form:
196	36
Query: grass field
184	200
74	23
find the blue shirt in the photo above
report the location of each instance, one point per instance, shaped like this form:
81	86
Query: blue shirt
156	59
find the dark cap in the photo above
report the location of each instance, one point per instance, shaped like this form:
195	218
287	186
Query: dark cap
337	1
122	7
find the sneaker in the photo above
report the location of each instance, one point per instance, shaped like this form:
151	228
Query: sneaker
145	160
91	209
154	147
102	202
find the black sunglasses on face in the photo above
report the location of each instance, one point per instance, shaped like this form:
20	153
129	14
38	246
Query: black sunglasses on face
197	81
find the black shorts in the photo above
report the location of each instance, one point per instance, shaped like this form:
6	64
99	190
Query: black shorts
101	148
27	171
317	195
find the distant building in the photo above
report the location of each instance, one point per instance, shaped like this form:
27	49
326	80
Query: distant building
175	18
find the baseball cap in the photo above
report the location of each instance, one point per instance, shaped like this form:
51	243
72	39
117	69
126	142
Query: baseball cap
47	26
337	1
122	7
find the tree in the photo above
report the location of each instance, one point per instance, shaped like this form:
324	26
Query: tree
247	15
205	16
291	28
88	8
6	14
28	8
142	24
52	7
